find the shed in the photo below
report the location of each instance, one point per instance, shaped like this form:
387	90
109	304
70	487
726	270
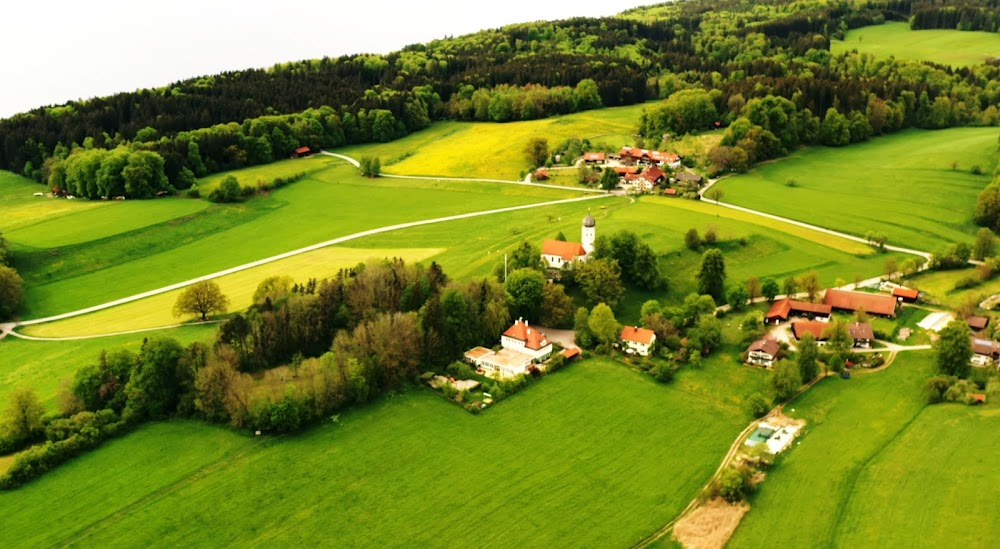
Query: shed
301	151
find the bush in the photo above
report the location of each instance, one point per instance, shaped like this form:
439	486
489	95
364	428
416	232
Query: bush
733	484
758	405
556	363
662	373
460	370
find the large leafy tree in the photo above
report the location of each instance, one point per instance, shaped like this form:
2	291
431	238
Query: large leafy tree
808	359
954	349
201	298
11	292
603	325
525	289
22	418
712	275
601	281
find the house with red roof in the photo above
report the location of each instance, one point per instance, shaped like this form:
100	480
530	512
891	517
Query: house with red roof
906	294
814	327
594	158
638	340
522	337
763	352
522	347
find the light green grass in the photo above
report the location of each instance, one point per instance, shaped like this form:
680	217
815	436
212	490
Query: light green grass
495	151
847	482
239	287
939	287
946	47
901	185
595	440
267	173
474	247
329	204
42	364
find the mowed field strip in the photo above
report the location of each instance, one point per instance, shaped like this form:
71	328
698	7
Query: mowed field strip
901	185
239	287
594	440
945	47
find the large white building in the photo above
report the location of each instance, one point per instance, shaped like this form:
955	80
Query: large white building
522	346
557	254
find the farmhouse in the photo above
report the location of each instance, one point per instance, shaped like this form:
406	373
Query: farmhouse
787	307
594	158
985	351
638	340
905	294
763	352
862	334
558	254
522	347
875	304
977	323
632	154
689	178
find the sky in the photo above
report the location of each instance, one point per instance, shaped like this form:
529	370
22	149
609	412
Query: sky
77	50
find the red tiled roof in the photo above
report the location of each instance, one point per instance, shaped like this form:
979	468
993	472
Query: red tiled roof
979	397
813	327
301	150
852	301
977	322
985	346
570	353
594	157
623	171
768	345
671	192
654	174
638	335
905	293
861	330
781	309
541	173
669	158
532	338
566	250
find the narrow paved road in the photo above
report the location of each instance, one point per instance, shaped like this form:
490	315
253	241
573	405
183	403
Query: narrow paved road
292	253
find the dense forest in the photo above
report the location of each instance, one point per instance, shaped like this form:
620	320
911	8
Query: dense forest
738	51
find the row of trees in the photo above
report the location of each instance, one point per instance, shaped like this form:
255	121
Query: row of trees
505	103
11	285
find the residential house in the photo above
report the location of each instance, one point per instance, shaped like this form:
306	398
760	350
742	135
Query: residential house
985	352
691	178
873	304
783	309
594	158
763	352
522	347
862	334
638	340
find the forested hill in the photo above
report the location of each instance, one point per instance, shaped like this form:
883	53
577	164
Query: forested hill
525	71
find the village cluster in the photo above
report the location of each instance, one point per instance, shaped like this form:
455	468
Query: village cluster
641	171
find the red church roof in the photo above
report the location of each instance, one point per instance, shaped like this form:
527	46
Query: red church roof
532	338
568	251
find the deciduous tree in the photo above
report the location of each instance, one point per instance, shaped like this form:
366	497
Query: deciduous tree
525	288
11	292
22	418
536	151
712	275
808	359
600	280
201	298
603	325
954	350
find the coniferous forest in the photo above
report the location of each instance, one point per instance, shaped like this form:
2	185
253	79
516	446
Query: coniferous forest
763	69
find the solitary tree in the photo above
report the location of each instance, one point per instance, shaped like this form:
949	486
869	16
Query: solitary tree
603	325
769	289
810	284
22	419
11	291
201	298
784	380
753	287
985	245
692	240
536	151
954	349
808	359
790	285
712	275
715	194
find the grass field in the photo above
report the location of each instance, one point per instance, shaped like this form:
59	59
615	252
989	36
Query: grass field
329	204
495	151
596	440
901	185
42	364
946	47
239	287
939	287
475	246
250	177
869	462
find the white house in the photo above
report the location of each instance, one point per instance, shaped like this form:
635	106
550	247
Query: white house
763	352
522	347
558	254
638	340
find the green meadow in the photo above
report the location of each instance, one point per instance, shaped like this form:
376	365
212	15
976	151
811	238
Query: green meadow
332	203
946	47
902	185
595	440
41	365
877	467
495	151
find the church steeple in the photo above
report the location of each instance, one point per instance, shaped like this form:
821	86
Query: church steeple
588	233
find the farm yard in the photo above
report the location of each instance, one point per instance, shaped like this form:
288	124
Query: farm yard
946	47
901	185
496	478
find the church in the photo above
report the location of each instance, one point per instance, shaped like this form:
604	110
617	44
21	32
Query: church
558	254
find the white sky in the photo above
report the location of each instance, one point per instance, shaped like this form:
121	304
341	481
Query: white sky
63	50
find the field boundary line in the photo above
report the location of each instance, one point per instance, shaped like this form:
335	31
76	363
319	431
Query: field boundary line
299	251
112	334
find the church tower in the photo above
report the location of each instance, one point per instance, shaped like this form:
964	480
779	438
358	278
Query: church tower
588	233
